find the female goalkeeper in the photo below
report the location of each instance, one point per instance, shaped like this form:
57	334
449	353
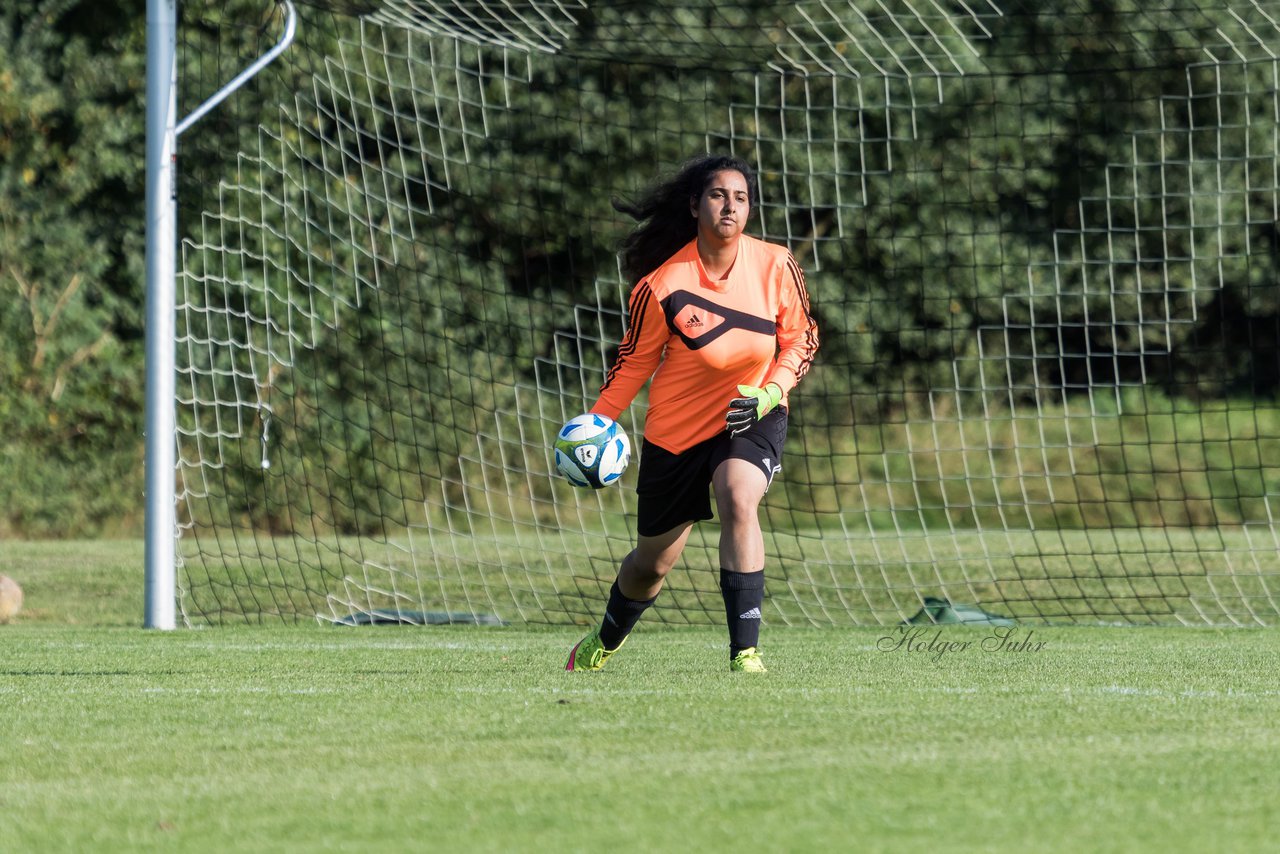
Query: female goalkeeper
720	321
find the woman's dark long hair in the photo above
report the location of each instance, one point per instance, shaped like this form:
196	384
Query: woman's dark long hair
662	213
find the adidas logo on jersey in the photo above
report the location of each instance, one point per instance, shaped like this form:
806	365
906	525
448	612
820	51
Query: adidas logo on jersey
753	614
695	322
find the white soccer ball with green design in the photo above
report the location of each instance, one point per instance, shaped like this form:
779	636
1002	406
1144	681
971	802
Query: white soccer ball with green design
592	451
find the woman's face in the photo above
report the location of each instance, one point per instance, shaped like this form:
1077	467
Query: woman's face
725	204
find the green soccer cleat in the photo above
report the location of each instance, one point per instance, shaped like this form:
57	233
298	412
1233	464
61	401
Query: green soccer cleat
590	654
747	661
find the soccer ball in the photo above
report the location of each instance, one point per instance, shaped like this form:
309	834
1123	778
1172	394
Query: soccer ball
592	450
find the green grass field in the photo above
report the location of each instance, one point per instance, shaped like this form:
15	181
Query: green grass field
463	738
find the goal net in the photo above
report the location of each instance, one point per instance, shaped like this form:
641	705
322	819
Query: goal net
1041	247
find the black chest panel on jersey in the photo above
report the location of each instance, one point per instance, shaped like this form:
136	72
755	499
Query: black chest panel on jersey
708	321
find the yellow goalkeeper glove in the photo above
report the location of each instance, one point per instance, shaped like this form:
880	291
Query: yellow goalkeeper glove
754	404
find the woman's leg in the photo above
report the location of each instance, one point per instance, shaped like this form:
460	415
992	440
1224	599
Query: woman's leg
739	486
639	580
645	568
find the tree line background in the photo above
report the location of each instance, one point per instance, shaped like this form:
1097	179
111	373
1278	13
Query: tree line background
1011	155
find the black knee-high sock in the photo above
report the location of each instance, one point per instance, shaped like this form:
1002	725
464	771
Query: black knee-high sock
743	595
620	617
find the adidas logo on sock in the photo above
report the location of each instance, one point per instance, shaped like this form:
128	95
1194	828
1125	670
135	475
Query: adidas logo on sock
753	614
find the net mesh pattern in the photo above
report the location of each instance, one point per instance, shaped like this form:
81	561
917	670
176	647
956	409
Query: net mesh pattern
1041	248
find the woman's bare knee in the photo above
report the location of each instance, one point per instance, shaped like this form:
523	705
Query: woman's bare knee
647	565
739	489
738	507
646	568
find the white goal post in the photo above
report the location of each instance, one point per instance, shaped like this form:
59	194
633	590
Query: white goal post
163	129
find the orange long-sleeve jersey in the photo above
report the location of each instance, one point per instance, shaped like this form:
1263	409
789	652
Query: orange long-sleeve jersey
700	339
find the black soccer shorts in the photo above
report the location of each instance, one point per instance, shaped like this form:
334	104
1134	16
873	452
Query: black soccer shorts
676	488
